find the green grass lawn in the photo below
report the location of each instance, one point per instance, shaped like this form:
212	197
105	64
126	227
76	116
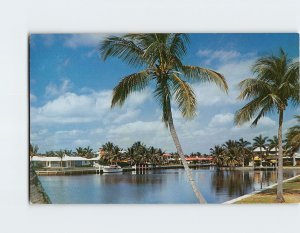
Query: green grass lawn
291	190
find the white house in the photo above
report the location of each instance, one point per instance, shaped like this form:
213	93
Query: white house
66	161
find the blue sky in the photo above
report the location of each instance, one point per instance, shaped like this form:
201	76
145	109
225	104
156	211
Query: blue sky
70	93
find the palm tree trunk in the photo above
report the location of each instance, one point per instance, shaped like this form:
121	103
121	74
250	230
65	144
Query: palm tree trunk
185	165
279	197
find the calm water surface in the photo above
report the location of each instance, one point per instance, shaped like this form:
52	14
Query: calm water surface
157	186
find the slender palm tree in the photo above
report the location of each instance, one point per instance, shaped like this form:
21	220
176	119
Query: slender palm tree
273	144
160	56
275	86
245	152
260	142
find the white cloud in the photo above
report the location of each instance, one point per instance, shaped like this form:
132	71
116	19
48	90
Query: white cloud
219	55
55	90
81	142
208	94
221	119
137	127
71	108
263	123
86	40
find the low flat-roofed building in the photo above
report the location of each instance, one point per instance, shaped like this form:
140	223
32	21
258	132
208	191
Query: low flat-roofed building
66	161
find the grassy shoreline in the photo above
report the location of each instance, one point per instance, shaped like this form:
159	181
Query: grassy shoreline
291	192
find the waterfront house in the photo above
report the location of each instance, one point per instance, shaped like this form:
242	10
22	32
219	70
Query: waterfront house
66	161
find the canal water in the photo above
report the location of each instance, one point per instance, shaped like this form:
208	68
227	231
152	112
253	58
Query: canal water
169	186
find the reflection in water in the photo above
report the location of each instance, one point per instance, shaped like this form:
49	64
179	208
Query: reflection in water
157	186
234	183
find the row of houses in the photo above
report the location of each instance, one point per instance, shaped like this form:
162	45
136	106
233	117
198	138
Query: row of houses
190	159
77	161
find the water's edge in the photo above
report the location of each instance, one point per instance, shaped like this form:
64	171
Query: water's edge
256	192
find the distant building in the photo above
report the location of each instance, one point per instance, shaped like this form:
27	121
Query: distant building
66	161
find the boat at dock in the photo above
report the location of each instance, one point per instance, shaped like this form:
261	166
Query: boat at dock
112	169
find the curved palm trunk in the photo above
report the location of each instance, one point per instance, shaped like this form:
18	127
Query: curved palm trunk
185	165
279	197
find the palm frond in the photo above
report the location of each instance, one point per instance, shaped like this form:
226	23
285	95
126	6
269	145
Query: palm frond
184	96
129	84
196	73
247	112
252	88
122	48
177	44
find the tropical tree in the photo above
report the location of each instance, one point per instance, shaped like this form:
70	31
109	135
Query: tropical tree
61	155
273	143
68	152
275	86
79	152
33	150
88	153
218	153
160	56
111	152
233	156
50	153
244	147
260	142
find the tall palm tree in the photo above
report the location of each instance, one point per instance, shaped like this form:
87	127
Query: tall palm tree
160	56
275	86
260	142
243	144
273	144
